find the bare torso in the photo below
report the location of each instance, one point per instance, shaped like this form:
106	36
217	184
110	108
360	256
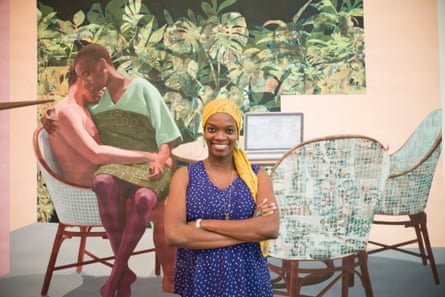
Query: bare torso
75	167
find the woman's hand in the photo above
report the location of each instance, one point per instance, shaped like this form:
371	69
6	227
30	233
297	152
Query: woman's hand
155	170
265	208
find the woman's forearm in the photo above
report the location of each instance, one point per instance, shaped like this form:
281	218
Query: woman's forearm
249	230
189	236
104	154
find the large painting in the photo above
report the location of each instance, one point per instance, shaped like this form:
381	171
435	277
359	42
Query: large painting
196	50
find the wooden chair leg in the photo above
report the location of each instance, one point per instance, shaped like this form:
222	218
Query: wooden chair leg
426	240
58	240
82	246
157	257
156	217
416	223
347	275
294	286
365	277
351	276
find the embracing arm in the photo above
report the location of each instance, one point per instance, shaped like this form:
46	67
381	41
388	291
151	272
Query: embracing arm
156	168
71	128
49	120
262	226
182	234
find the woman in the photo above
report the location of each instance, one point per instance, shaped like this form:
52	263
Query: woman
218	211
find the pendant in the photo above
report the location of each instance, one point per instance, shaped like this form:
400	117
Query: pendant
227	216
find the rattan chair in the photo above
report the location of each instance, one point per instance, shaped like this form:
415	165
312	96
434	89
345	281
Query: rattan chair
327	190
77	211
408	187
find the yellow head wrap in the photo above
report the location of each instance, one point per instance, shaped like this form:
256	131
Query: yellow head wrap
242	164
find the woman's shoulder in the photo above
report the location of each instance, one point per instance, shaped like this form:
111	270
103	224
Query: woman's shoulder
138	81
188	173
180	173
191	167
140	84
255	168
195	166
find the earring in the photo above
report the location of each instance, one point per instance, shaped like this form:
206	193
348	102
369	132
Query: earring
238	146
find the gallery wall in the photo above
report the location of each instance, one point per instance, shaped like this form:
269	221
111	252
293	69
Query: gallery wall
4	136
441	25
403	86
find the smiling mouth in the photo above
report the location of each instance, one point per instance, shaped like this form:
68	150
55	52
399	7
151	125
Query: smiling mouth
220	146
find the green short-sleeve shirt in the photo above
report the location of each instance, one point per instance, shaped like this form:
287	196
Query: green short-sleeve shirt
140	120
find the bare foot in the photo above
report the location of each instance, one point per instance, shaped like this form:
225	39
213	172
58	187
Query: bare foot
128	279
123	289
106	291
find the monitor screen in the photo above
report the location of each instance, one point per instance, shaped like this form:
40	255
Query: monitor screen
268	131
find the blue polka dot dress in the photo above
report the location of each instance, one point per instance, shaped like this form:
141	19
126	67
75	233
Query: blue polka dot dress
235	271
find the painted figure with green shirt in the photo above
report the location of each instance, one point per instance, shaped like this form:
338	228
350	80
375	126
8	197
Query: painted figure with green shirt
132	115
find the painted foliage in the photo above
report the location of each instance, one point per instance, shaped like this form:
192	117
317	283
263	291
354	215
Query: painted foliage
193	51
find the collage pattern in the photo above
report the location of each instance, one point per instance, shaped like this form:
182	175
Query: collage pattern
327	191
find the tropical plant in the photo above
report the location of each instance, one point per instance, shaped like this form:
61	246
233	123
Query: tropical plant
213	52
199	57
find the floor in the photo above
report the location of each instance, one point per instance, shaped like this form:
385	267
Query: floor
393	274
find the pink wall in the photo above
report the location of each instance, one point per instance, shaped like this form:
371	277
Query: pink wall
4	138
23	86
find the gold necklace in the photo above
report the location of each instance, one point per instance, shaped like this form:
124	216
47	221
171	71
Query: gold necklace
226	206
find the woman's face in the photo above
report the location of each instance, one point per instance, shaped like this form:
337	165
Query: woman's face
221	134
